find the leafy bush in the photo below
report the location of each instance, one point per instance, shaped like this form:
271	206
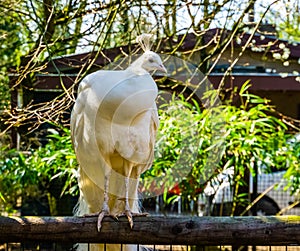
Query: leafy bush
224	136
293	172
193	145
24	175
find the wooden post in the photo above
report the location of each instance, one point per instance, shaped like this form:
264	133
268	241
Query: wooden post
256	230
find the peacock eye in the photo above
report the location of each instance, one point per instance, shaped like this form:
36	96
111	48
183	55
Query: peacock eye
151	60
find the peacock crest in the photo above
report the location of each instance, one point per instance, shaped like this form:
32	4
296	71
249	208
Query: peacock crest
144	40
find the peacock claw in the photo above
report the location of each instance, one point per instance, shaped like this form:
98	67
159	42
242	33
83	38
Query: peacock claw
99	221
101	215
130	215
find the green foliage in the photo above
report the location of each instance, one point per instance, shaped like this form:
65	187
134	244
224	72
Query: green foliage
10	52
293	172
194	144
4	92
289	24
31	174
10	40
241	136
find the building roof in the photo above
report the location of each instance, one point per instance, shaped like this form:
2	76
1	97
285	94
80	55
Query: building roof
259	43
64	69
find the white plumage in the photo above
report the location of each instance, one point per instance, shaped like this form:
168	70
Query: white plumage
113	127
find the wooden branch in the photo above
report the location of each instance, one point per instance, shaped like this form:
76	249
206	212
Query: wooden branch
264	230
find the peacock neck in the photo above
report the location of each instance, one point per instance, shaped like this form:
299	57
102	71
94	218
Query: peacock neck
136	67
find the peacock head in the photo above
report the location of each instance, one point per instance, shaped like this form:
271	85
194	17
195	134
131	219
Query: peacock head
150	61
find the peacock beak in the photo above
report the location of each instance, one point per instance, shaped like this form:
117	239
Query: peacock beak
162	68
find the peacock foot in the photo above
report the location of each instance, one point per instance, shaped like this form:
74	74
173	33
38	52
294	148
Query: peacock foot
130	215
100	215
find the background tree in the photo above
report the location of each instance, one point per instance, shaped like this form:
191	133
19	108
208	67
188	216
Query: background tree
50	28
287	19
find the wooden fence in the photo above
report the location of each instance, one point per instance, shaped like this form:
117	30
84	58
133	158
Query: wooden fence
208	231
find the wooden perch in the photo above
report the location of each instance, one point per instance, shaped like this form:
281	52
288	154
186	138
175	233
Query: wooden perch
264	230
